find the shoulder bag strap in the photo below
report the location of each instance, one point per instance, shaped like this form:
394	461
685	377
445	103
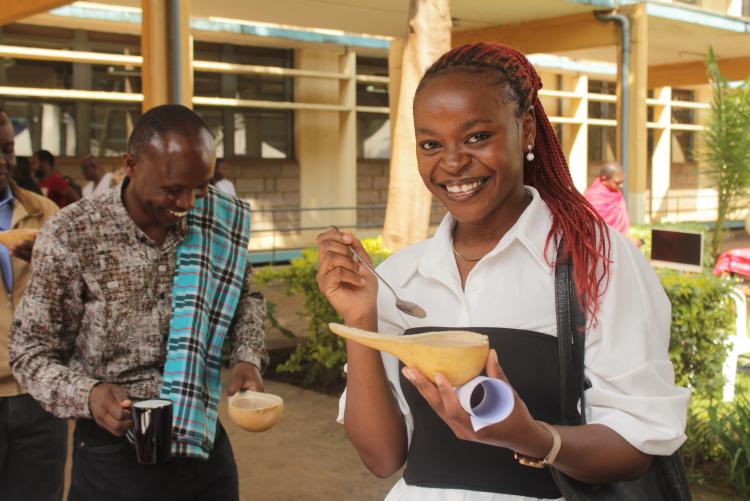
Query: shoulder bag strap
570	341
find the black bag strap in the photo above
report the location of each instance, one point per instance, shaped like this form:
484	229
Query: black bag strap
571	325
666	479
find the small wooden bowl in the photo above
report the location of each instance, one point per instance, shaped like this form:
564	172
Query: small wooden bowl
254	411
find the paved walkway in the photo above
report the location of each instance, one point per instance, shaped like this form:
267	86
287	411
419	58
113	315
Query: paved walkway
305	457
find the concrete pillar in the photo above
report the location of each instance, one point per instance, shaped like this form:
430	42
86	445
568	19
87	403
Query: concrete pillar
82	80
407	217
661	157
575	135
395	63
324	141
347	139
167	49
228	89
637	118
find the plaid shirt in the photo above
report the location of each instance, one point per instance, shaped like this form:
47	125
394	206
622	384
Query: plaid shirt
98	309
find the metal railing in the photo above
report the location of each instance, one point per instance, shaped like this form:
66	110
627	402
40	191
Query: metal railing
684	207
287	221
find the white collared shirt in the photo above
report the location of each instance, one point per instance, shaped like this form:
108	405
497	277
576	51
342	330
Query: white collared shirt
632	379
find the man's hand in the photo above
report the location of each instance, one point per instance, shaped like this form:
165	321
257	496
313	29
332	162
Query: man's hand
23	250
245	376
110	407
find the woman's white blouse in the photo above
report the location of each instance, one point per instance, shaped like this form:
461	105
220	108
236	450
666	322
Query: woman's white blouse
632	380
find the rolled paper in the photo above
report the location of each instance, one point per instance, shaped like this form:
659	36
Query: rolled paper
486	400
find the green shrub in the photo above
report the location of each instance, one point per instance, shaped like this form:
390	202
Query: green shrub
702	319
319	359
730	424
702	450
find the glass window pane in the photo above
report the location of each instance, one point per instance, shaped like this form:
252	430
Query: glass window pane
602	109
602	144
115	78
372	94
262	87
206	84
373	135
214	118
111	125
38	125
40	74
683	115
263	133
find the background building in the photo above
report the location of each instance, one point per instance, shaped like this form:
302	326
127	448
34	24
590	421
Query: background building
297	92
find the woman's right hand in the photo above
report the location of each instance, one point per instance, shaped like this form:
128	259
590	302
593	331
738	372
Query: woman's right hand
350	287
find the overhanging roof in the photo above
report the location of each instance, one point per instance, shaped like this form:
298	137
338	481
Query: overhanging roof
677	34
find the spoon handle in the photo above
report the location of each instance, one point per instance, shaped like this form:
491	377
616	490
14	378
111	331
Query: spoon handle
359	258
367	265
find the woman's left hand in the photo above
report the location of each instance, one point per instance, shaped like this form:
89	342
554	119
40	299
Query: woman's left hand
444	401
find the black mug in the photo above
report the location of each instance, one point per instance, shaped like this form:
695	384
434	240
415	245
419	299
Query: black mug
152	430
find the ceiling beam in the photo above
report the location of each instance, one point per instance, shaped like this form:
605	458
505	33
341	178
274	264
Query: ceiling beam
557	34
14	10
695	72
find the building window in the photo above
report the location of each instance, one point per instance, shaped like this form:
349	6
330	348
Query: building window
683	141
111	125
373	136
115	79
602	140
602	144
263	133
41	125
40	74
214	118
373	129
683	173
602	109
256	133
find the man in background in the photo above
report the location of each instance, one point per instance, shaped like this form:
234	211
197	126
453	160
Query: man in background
99	181
23	177
52	184
605	195
220	178
32	441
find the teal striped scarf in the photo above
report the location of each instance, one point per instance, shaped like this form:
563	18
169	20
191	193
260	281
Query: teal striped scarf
211	263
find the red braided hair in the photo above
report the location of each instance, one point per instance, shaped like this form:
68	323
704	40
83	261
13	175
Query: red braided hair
584	233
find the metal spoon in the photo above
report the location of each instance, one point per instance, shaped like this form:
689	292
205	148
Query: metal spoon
405	306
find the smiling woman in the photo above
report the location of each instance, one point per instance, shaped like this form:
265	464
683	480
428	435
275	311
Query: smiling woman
487	151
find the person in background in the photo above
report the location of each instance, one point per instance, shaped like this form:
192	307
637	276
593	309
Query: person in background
220	178
32	441
22	175
52	184
606	197
74	186
99	181
131	297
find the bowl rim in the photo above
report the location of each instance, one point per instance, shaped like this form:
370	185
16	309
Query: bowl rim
271	400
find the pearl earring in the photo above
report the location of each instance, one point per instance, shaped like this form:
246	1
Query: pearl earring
530	154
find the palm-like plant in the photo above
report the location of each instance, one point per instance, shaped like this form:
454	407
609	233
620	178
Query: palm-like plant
727	145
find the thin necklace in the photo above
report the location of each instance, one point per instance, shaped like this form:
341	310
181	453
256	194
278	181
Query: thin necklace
455	251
